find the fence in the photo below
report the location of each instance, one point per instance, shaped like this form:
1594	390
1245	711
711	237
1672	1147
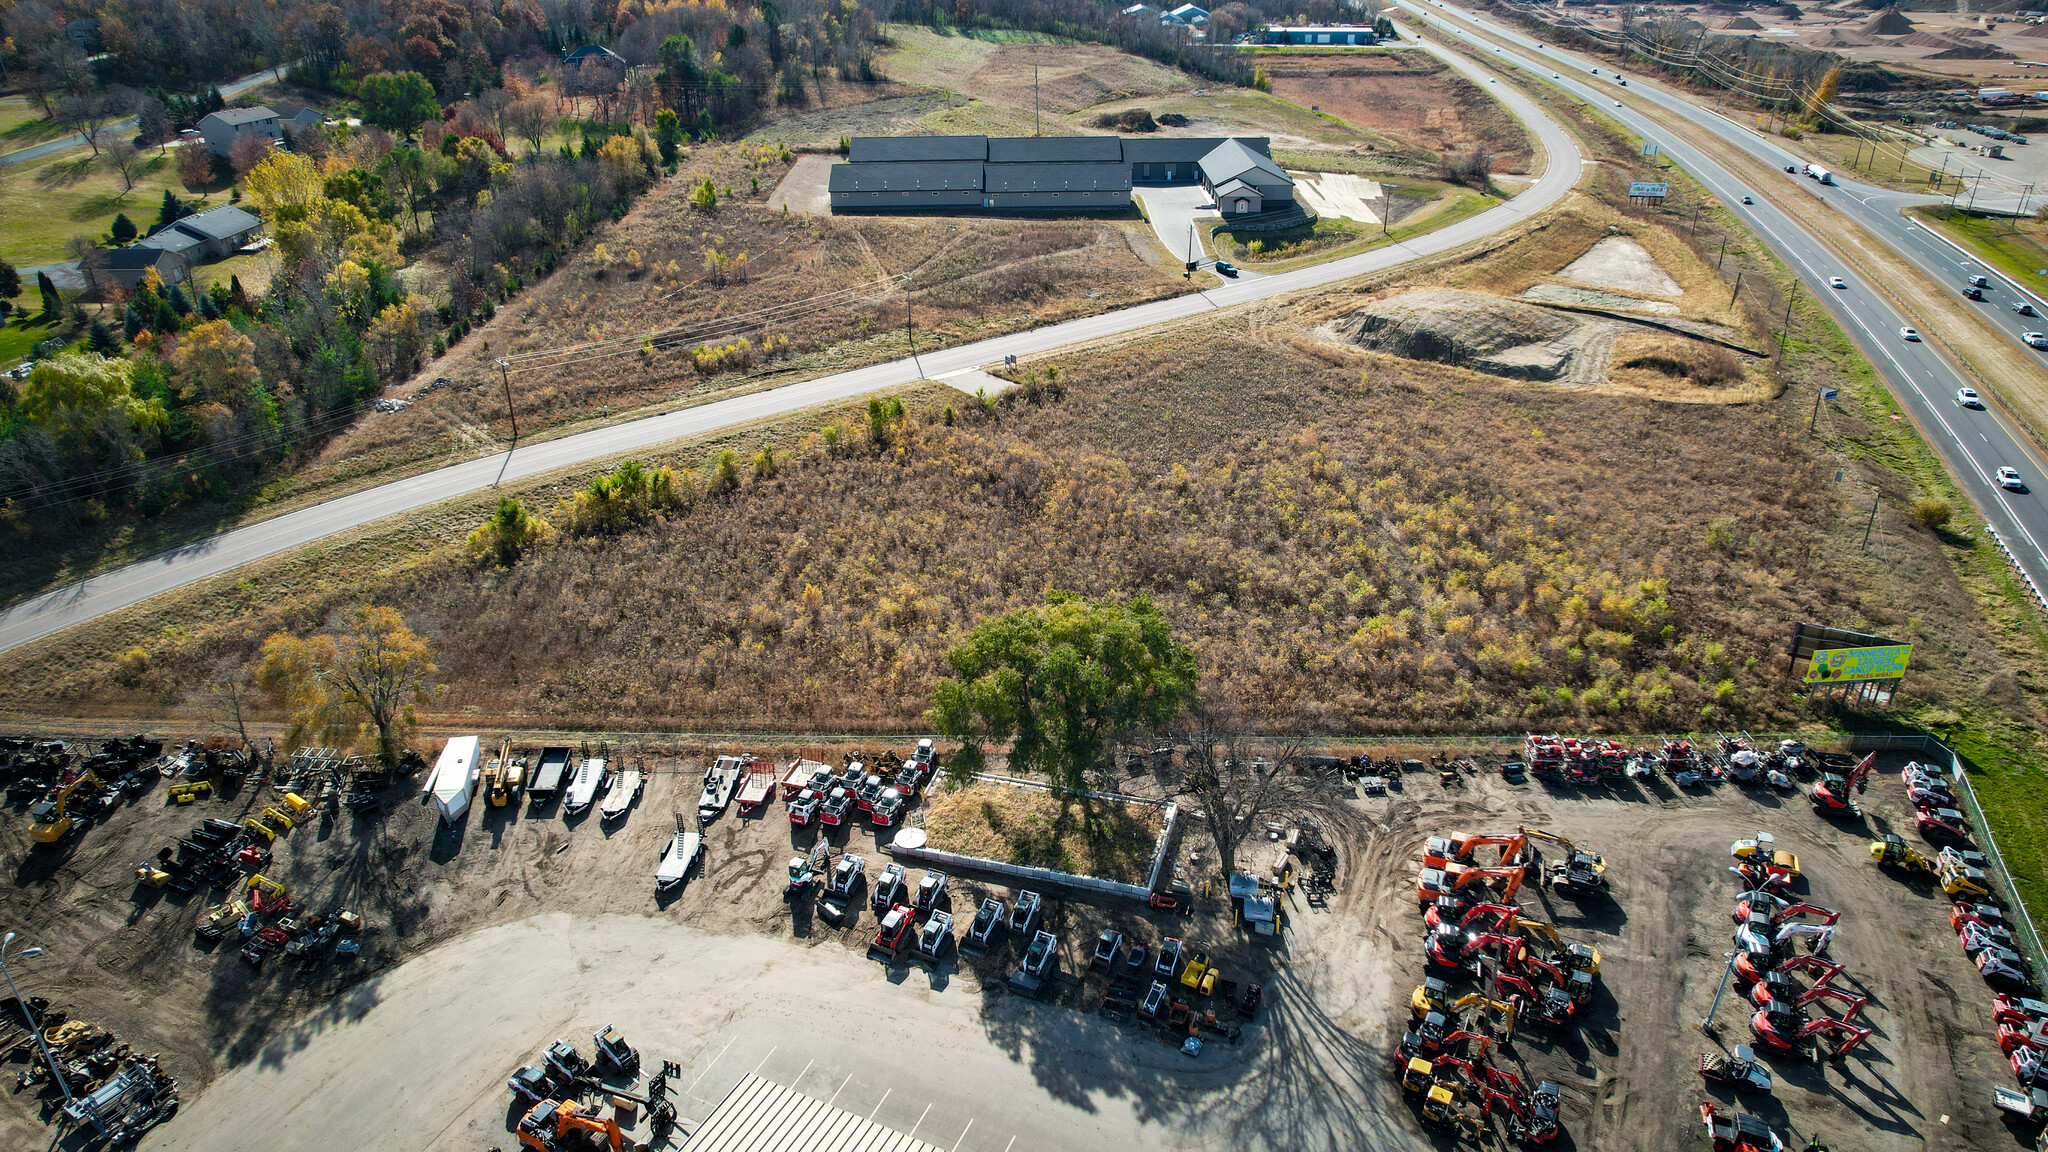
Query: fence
1934	749
2033	589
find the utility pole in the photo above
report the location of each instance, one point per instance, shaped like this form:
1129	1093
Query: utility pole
28	1016
1872	522
505	378
1813	422
1738	290
1787	325
1035	129
910	334
1723	255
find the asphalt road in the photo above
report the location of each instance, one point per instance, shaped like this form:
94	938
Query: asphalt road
1974	444
228	91
133	583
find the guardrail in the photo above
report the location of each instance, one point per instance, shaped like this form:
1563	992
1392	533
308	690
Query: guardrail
2002	876
2040	601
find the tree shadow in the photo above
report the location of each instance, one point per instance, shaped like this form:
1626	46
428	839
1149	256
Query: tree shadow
65	173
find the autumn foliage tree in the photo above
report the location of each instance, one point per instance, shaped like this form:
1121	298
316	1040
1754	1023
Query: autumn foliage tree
365	679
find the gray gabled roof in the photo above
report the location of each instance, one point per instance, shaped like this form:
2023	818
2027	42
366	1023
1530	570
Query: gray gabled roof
884	149
1233	161
907	176
1058	178
222	223
245	115
137	256
1055	150
172	239
292	111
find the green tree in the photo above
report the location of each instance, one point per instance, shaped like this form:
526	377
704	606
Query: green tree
53	302
100	338
171	209
364	679
705	197
123	229
398	101
668	133
10	281
1062	682
509	533
78	397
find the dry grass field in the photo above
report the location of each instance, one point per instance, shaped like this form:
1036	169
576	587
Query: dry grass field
1026	826
1409	96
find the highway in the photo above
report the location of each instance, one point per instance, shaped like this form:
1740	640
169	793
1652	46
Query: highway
122	587
1876	210
1973	443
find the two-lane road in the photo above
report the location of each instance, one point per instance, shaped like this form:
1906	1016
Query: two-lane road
1973	443
122	587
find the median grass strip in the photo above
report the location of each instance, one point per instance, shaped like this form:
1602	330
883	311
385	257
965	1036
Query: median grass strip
2018	248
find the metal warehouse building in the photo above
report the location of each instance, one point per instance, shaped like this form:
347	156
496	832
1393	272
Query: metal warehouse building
1016	173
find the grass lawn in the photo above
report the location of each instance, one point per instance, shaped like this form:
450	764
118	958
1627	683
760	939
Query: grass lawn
45	203
1335	239
2019	254
22	125
255	272
16	340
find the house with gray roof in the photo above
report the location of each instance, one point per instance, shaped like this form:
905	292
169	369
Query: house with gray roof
1014	174
130	266
592	53
1246	182
298	119
223	129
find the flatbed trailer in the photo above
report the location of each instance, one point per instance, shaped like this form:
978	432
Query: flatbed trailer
548	776
757	787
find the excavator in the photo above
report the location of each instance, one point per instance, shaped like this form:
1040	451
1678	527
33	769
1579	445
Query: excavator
1830	793
1786	1028
51	820
1444	1107
1532	1115
1570	956
1763	995
1421	1075
1895	855
546	1127
1454	878
1445	908
1749	970
1580	873
1552	1007
1775	910
1761	865
1458	847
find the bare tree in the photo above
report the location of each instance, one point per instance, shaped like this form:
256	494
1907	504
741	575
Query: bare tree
124	157
88	114
531	120
153	122
1241	782
248	152
229	698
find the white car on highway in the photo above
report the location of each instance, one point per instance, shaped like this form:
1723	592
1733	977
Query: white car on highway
1968	398
2035	339
1838	283
1908	334
2009	478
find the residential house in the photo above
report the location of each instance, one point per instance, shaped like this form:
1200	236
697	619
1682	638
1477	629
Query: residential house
577	58
223	129
130	266
220	231
1144	13
1188	15
298	119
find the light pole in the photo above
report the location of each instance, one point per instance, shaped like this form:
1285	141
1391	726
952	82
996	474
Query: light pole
28	1015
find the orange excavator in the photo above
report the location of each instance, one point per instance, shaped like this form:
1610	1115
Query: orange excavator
1458	847
1453	878
547	1125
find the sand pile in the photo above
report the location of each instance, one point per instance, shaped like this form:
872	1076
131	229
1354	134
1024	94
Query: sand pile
1890	22
1929	40
1834	38
1969	52
1742	24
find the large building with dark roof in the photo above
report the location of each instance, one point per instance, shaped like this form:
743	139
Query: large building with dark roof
1025	174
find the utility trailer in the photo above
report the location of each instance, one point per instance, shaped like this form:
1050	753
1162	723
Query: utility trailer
589	779
550	773
620	799
678	857
719	781
757	787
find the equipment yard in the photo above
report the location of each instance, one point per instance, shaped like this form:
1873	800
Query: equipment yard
519	925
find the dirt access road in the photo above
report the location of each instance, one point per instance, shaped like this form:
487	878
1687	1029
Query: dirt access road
521	927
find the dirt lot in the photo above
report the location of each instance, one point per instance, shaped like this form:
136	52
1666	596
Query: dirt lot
569	907
1406	95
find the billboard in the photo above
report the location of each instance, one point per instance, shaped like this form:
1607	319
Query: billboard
1641	188
1856	665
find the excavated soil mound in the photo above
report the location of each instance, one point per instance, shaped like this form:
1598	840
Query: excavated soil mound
1837	39
1968	32
1620	262
1969	52
1466	329
1929	40
2038	32
1889	22
1742	24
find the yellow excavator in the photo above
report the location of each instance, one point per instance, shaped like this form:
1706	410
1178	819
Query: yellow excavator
51	820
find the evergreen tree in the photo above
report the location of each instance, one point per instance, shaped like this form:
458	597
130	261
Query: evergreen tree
10	281
123	229
132	322
180	303
171	209
208	310
100	338
53	302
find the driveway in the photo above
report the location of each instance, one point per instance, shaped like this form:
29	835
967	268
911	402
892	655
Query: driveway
1175	213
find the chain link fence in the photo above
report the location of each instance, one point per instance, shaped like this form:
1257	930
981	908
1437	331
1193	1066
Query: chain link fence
1928	748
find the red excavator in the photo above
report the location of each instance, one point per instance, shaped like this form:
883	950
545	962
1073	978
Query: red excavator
1785	1028
1831	792
1778	910
1458	847
1453	878
1761	994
